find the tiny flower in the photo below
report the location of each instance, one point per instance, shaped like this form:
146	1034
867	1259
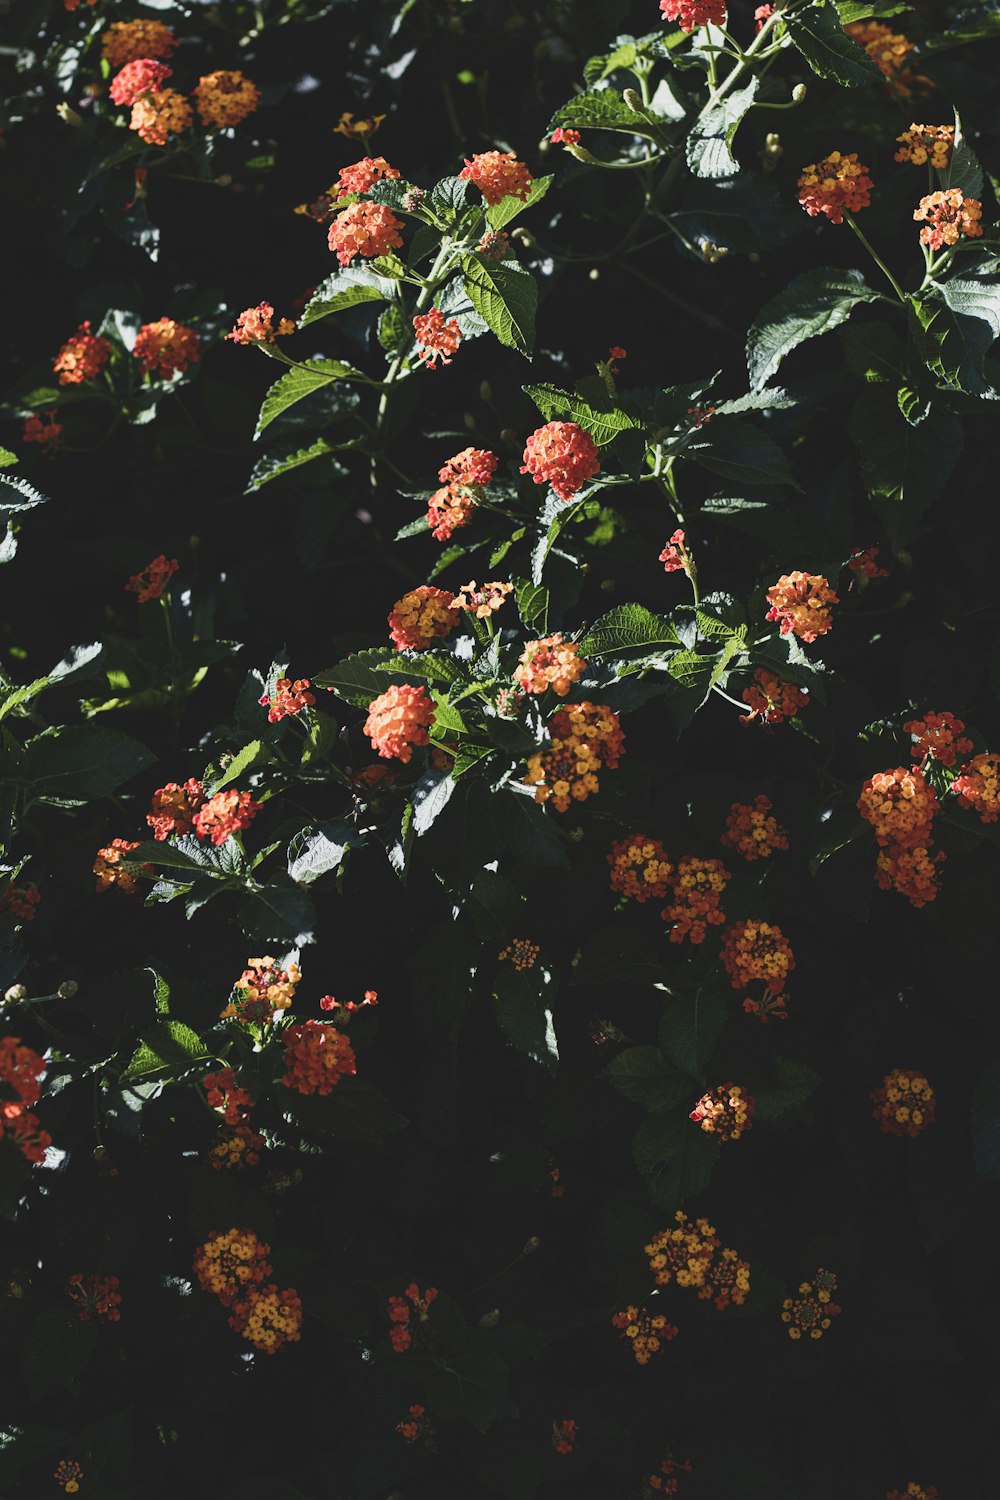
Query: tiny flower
20	901
564	1435
810	1312
563	455
757	951
801	601
225	98
401	1310
417	1426
256	326
156	117
771	699
367	229
317	1057
913	872
364	174
927	143
761	14
174	807
674	556
166	348
549	663
904	1103
690	14
421	617
463	479
128	41
223	1094
82	357
833	185
153	579
521	952
287	699
225	814
482	599
398	720
113	867
498	175
21	1073
640	868
438	339
948	216
141	76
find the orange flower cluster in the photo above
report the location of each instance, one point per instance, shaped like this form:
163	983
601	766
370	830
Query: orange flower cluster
585	737
224	814
900	805
261	991
95	1297
640	868
674	556
223	1093
113	867
268	1317
401	1310
350	128
328	1002
482	599
288	698
317	1057
699	885
367	229
938	737
464	477
567	137
692	1255
664	1482
521	952
890	51
45	432
225	98
562	455
564	1435
256	326
927	143
156	117
422	616
82	357
173	808
127	41
911	872
801	601
153	579
141	76
978	787
947	216
905	1103
498	175
231	1261
752	831
811	1311
68	1472
20	901
690	14
833	185
771	699
21	1074
725	1112
238	1146
914	1491
549	663
757	951
362	176
644	1331
166	348
438	339
416	1426
398	720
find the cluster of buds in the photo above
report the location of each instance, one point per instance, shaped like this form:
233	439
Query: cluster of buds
401	1314
644	1331
725	1112
67	1476
758	952
256	325
810	1311
904	1102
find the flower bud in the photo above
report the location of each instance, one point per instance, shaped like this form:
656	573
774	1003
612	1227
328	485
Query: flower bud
576	834
633	101
67	989
490	1319
532	1245
799	92
525	236
593	274
485	391
16	994
68	115
470	421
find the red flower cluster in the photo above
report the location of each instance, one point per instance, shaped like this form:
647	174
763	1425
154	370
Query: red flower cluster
836	184
757	951
401	1310
82	357
698	886
438	339
565	136
113	867
904	1103
68	1472
771	699
690	14
362	176
231	1261
938	737
95	1297
317	1057
288	698
674	556
901	806
947	216
153	579
664	1482
21	900
498	175
398	720
224	98
645	1332
752	831
978	787
268	1317
367	229
564	1435
225	814
801	601
174	807
549	663
725	1112
584	738
812	1310
256	326
914	1491
562	455
464	477
416	1426
911	872
127	41
640	868
329	1003
21	1074
44	432
261	991
141	76
166	348
863	564
423	616
223	1093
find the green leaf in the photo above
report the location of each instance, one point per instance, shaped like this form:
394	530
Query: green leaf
675	1156
524	830
532	603
963	170
524	999
810	306
346	288
471	1384
601	109
630	628
794	1084
361	677
284	913
739	452
502	213
166	1046
297	383
256	753
985	1123
863	10
505	297
82	761
430	797
603	424
7	458
874	352
693	672
709	144
905	468
357	1111
643	1075
290	454
818	32
959	323
57	1350
320	850
690	1027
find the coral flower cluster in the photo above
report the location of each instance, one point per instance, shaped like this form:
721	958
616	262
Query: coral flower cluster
725	1112
421	617
640	868
771	699
938	737
521	952
173	808
398	721
233	1265
932	144
755	951
82	357
416	1426
905	1103
498	175
151	582
95	1297
45	431
159	115
835	185
21	901
438	339
890	51
946	216
412	1307
753	831
809	1313
68	1472
262	990
549	663
141	76
645	1332
901	805
801	602
564	1435
463	479
166	348
585	737
690	14
178	809
698	888
665	1481
365	229
362	175
112	866
224	98
238	1144
978	786
21	1074
225	814
317	1057
256	326
692	1255
287	698
674	556
563	455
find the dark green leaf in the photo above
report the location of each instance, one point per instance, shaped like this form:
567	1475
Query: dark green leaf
82	761
810	305
643	1075
675	1156
505	298
295	384
818	32
604	421
985	1123
631	628
57	1350
524	999
346	288
709	144
690	1027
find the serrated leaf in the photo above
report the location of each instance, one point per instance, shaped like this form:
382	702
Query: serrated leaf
675	1156
319	851
346	288
643	1075
629	629
298	383
963	170
601	109
500	214
253	754
818	32
82	761
905	468
165	1045
362	677
282	913
506	298
430	797
709	143
794	1084
604	425
532	603
738	452
523	1000
810	306
289	454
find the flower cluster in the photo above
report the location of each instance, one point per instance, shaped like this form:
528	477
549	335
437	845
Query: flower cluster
231	1261
256	326
350	1007
691	1254
585	737
690	14
664	1482
978	786
424	615
268	1317
482	599
261	991
890	51
127	41
225	814
640	868
562	455
753	831
367	229
353	129
674	556
237	1146
833	185
911	872
67	1476
521	952
44	431
698	888
95	1297
565	136
811	1310
113	867
933	144
644	1331
801	601
900	805
20	901
914	1491
946	216
938	737
753	951
287	698
166	348
463	478
156	117
141	76
498	175
904	1102
152	580
725	1111
416	1426
863	564
398	720
223	1094
362	175
771	699
317	1057
82	357
401	1310
224	98
21	1073
564	1435
549	663
173	808
438	339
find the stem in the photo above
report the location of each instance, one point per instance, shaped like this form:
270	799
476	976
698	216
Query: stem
877	258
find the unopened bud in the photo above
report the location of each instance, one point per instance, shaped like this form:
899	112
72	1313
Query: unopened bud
68	115
799	92
470	421
16	994
490	1319
485	391
582	154
525	236
413	198
67	989
532	1245
608	585
593	274
633	101
713	253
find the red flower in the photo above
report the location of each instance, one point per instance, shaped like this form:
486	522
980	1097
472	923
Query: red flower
141	76
45	433
113	868
317	1057
153	579
771	699
563	455
801	601
363	175
256	326
398	720
166	348
565	137
82	357
674	556
498	175
439	340
978	787
224	814
366	229
95	1296
289	698
174	807
690	14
